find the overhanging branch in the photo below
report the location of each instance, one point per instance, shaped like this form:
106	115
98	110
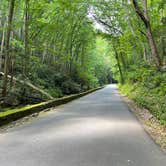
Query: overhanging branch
106	24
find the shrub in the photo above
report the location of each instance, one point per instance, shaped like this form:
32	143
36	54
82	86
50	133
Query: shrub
70	87
147	87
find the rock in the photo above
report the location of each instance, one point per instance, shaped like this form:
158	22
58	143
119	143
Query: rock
11	101
35	114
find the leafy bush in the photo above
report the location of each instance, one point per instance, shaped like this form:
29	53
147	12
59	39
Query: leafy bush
148	89
86	79
55	92
70	87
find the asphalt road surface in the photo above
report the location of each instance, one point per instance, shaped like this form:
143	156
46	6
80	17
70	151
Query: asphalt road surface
95	130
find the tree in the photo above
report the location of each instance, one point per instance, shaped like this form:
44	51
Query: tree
6	63
145	18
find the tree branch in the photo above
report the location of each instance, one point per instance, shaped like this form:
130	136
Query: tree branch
106	24
140	14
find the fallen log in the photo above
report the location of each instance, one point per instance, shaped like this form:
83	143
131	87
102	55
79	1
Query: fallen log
29	84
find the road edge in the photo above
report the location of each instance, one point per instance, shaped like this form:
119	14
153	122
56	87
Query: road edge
41	106
151	124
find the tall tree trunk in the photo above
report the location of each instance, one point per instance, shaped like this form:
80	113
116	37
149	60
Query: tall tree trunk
26	42
12	63
44	53
2	24
144	17
5	80
119	65
153	47
82	56
123	61
26	46
145	54
2	48
137	42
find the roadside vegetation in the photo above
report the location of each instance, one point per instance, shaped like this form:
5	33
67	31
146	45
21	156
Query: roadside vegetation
148	90
49	49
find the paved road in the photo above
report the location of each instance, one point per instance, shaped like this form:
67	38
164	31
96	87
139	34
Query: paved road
95	130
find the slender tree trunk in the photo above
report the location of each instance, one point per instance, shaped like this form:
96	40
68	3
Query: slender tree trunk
2	48
26	46
144	17
5	80
26	42
137	43
119	65
12	64
82	56
145	53
153	47
2	24
163	43
44	53
123	61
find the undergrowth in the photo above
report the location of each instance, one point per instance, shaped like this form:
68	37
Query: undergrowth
148	89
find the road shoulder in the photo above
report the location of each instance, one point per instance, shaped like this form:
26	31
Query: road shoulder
149	122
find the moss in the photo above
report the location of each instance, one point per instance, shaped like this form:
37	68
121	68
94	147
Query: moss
15	110
14	114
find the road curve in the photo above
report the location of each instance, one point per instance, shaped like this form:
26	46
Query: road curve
95	130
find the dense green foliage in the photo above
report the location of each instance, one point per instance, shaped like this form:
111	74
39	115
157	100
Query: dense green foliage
147	88
65	47
54	46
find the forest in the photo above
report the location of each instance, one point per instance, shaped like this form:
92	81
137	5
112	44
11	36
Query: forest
54	48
